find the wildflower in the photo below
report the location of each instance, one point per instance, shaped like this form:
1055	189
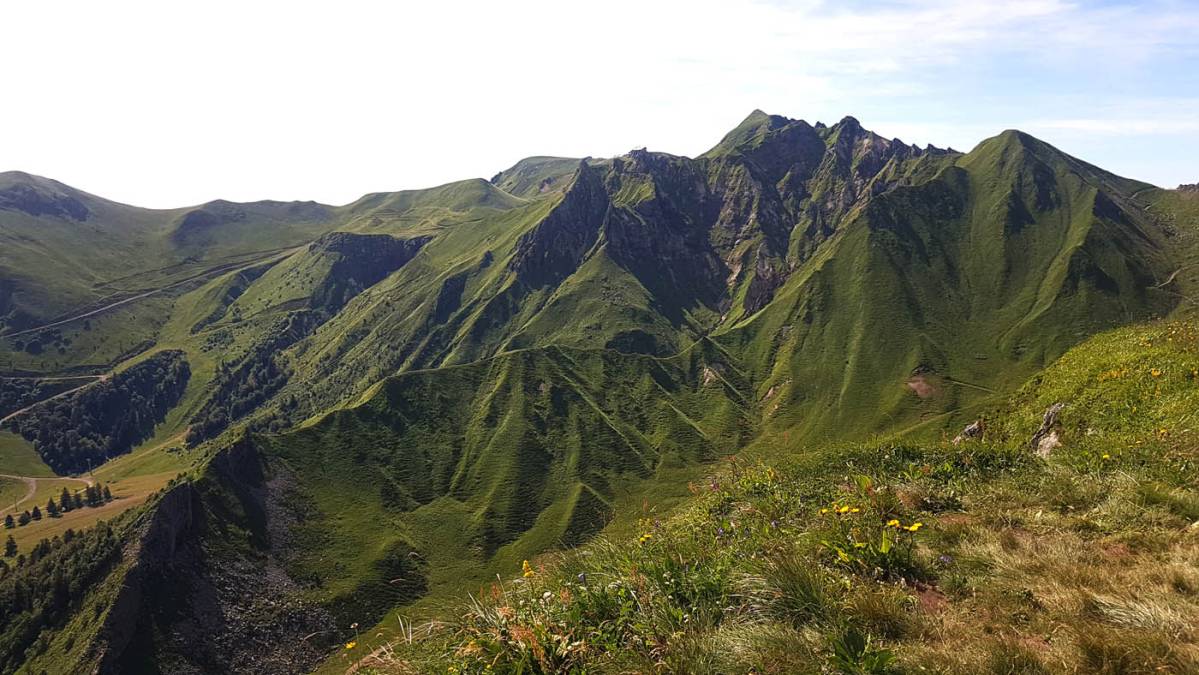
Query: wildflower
823	511
645	537
893	523
945	559
843	509
351	644
526	569
1106	456
1156	372
855	510
914	526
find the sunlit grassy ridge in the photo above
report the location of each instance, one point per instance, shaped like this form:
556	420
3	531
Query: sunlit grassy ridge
977	557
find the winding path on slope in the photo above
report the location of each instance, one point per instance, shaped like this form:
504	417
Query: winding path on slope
99	378
213	271
31	485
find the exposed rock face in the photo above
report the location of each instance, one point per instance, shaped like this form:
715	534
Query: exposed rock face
1048	437
973	431
553	250
361	261
750	210
1189	187
196	610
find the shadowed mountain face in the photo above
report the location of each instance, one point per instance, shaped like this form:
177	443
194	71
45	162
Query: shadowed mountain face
510	360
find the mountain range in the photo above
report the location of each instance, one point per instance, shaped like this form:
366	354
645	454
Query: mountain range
312	416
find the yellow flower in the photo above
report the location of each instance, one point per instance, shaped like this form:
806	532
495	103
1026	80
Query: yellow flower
823	511
1106	456
914	526
843	509
855	510
351	644
645	537
893	523
1156	372
527	569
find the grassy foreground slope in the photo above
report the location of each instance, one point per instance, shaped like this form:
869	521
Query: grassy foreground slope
981	556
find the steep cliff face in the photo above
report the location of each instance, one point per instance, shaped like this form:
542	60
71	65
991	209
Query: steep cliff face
553	249
358	261
206	588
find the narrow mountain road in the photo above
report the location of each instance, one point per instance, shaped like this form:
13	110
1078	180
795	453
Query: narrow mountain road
31	485
43	378
213	271
68	392
94	312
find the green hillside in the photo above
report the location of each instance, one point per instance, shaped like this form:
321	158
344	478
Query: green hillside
390	402
892	556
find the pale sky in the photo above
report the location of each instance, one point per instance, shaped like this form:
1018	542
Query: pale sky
168	104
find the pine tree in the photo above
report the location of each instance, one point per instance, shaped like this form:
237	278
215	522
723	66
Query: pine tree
65	500
107	494
68	536
24	518
10	547
37	513
8	522
78	501
52	508
92	495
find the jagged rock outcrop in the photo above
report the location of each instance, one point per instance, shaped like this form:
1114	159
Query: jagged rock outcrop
191	607
555	247
359	262
1048	437
973	431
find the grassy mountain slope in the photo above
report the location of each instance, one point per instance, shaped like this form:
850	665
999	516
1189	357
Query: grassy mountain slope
961	558
469	468
399	396
68	251
935	293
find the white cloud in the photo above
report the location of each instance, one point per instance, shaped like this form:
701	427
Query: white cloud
171	103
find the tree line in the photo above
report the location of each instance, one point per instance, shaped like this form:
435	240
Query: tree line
83	430
91	496
241	388
41	588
